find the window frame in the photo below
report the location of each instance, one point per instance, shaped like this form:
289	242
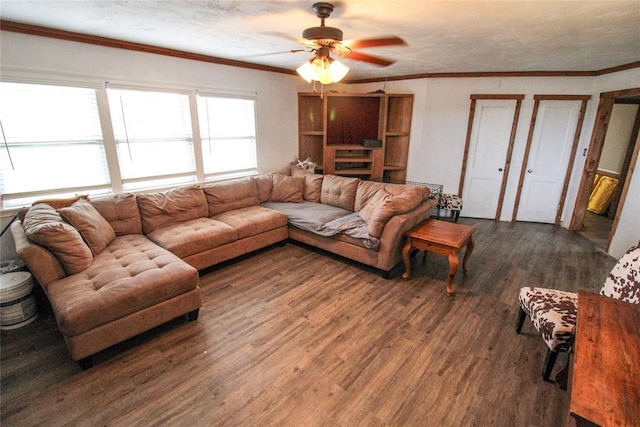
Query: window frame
238	173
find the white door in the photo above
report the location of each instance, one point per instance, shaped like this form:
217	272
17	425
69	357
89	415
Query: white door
490	134
548	160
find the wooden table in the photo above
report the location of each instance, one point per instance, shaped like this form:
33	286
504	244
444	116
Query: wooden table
442	238
605	377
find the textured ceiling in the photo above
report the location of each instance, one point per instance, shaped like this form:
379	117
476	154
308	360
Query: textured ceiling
442	36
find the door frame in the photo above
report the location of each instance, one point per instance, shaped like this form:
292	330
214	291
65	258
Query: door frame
600	126
512	137
574	148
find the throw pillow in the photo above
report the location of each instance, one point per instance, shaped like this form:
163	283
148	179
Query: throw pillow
390	206
94	229
375	200
287	189
44	225
62	203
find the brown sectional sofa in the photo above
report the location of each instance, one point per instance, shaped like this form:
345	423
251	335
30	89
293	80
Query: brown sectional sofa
119	265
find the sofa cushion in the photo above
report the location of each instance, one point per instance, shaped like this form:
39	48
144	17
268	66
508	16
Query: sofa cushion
44	225
121	211
339	191
131	274
312	187
227	196
193	236
287	189
389	206
265	185
366	189
308	215
159	210
252	220
374	201
94	229
55	203
58	203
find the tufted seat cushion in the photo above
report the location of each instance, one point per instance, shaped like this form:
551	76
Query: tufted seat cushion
193	236
130	274
252	220
553	314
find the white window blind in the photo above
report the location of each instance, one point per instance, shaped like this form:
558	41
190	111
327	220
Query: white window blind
153	138
228	132
52	143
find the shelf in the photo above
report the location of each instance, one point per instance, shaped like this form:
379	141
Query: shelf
352	147
355	171
332	126
352	159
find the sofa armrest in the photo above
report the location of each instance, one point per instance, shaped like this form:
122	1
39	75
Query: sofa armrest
392	238
43	264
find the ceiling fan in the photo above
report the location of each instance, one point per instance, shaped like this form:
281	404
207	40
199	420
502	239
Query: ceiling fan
325	40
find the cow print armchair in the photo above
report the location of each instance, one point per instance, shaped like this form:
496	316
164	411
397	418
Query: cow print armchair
554	313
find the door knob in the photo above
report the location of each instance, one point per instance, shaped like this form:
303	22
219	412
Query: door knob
499	169
529	171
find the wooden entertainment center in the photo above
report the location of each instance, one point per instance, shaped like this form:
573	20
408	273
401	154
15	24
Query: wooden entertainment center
333	127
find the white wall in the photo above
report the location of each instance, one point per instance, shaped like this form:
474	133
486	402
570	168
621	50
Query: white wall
617	139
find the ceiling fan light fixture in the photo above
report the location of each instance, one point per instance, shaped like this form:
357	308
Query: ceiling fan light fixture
325	70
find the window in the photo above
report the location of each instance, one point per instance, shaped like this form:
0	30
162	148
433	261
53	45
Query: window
228	135
153	138
51	143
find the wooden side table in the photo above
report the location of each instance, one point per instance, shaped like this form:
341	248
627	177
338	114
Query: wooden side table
605	390
442	238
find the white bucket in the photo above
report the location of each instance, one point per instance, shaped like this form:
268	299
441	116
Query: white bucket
17	303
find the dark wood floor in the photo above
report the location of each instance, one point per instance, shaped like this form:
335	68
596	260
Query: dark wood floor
596	228
292	336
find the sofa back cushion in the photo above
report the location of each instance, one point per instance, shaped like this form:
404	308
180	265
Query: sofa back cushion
227	196
44	225
94	229
159	210
287	189
121	211
339	191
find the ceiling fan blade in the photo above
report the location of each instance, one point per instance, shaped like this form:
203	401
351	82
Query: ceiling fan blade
258	55
359	56
383	41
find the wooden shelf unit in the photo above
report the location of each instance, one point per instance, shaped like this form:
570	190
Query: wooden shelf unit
331	129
